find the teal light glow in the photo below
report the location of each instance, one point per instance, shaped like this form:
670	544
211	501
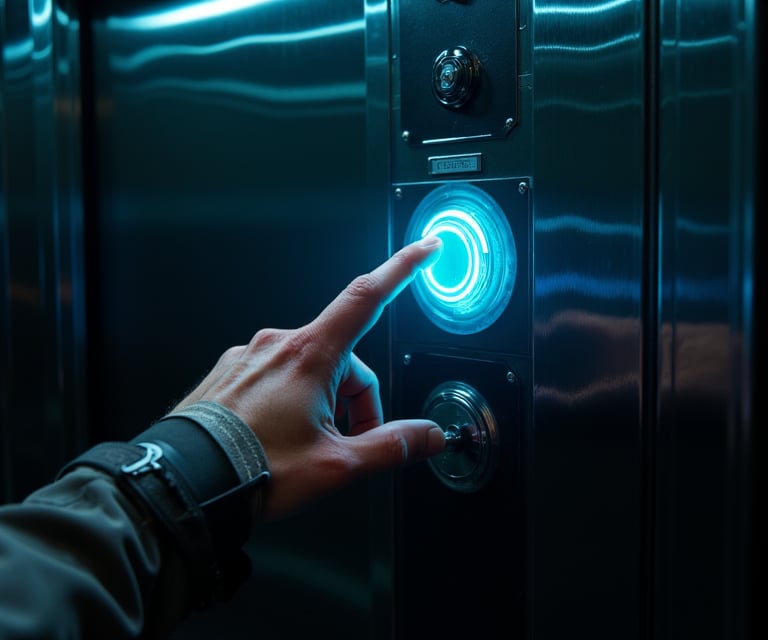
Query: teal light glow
453	277
471	283
184	15
40	12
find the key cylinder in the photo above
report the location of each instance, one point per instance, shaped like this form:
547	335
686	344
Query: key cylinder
471	434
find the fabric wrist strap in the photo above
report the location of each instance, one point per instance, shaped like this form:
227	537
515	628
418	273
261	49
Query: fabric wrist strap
143	471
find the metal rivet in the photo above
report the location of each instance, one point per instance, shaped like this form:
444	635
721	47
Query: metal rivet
406	136
509	123
511	377
407	359
399	193
522	188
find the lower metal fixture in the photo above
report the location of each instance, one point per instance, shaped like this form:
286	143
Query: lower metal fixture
471	433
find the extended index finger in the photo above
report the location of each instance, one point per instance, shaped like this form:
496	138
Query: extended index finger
357	308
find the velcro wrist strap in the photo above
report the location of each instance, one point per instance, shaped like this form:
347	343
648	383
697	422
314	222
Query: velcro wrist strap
143	472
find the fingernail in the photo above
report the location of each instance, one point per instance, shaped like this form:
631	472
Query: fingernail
435	441
430	241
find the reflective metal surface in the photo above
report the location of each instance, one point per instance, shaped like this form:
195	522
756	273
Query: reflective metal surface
463	173
230	147
42	357
707	194
587	450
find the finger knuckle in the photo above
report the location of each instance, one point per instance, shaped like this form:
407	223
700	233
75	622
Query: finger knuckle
264	338
232	354
285	347
397	448
364	286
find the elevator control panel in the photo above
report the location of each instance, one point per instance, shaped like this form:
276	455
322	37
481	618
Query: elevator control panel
461	332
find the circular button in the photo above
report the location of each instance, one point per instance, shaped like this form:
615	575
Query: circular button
455	76
470	457
470	285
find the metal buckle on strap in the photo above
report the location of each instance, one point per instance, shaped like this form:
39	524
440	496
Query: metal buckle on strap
147	463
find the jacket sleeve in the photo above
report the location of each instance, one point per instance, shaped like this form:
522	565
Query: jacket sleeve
133	536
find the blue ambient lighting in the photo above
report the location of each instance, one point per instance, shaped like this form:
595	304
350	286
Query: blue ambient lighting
471	283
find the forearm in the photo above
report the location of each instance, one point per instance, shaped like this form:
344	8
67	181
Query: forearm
79	559
87	557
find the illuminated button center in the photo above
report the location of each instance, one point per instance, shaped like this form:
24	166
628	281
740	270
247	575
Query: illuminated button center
470	284
456	273
453	269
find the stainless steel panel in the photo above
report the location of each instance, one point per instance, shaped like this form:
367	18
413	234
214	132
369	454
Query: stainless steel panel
587	460
707	190
460	556
230	151
42	357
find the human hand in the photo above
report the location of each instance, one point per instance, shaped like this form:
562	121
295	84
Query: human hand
290	386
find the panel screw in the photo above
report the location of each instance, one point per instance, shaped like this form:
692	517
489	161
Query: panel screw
399	193
511	377
509	123
522	188
407	359
406	136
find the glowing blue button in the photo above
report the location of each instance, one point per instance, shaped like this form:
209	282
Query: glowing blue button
471	283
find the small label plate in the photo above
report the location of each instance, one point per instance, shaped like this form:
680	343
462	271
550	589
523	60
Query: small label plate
463	163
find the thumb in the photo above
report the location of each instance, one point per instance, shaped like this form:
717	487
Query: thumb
398	443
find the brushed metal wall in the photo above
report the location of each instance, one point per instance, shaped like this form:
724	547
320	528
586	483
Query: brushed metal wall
229	148
708	186
589	208
43	411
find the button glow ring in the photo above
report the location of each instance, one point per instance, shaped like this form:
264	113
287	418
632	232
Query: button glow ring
471	283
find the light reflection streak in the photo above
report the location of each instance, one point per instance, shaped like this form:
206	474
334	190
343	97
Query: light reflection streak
704	43
587	106
43	54
372	7
42	16
702	229
15	51
164	52
685	289
275	101
582	224
586	225
632	38
581	10
592	392
267	93
183	15
62	17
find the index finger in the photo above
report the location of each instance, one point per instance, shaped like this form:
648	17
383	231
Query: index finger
357	308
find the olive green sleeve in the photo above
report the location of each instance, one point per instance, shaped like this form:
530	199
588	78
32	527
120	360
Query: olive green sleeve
134	536
79	560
